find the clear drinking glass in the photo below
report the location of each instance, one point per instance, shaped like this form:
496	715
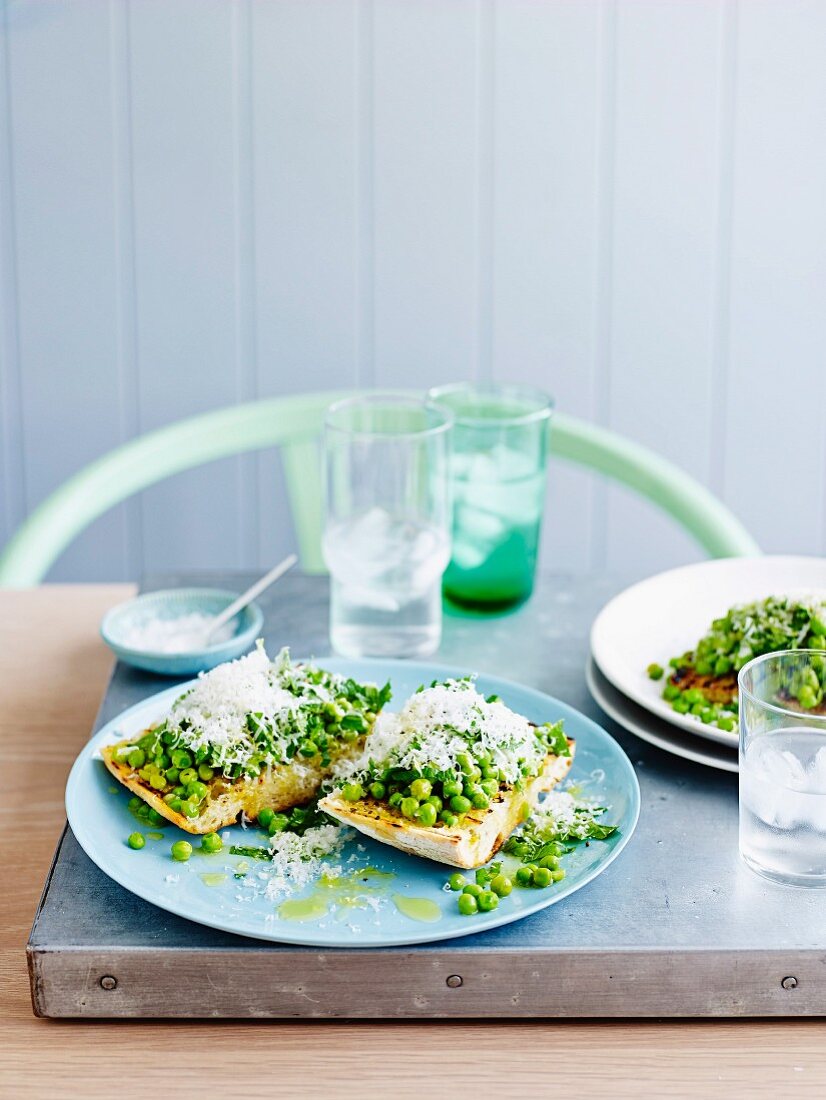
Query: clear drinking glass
500	450
387	534
783	767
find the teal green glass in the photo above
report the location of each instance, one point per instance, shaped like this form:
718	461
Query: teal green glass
498	473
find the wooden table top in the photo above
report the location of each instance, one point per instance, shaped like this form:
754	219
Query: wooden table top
53	669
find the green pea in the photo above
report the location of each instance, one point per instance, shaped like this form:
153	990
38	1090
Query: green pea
181	851
465	762
181	759
121	754
157	781
154	817
490	787
451	820
278	824
671	692
551	862
143	810
331	711
395	799
205	772
172	775
457	881
136	841
308	748
189	809
459	804
187	776
421	789
352	792
451	787
196	791
807	697
694	695
265	816
704	668
524	876
426	814
480	800
681	706
487	901
501	885
472	888
557	875
378	790
467	905
136	758
211	842
435	802
655	671
175	804
409	806
725	723
135	802
542	877
349	736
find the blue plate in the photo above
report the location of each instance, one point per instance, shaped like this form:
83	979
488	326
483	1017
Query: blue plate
173	603
379	882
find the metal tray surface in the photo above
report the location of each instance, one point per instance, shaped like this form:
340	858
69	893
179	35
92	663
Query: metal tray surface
677	927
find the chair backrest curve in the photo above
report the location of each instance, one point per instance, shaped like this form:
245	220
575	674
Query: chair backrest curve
294	424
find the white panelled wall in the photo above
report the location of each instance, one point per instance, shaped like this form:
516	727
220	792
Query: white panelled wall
206	201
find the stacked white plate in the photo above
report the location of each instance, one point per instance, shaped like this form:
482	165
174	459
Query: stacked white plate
666	615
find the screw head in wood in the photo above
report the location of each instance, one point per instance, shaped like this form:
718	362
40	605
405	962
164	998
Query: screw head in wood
454	981
789	982
108	982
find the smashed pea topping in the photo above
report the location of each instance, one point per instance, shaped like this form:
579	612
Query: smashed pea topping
246	715
450	750
702	682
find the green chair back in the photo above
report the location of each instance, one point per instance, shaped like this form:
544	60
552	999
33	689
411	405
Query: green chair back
294	424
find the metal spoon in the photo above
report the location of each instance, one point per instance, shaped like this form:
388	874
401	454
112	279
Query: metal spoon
254	590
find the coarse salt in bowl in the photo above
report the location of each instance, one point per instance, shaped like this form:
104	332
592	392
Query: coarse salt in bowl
160	631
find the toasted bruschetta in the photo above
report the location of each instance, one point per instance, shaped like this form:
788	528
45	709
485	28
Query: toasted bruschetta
250	734
450	776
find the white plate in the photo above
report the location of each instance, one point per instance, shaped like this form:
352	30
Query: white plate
666	615
643	725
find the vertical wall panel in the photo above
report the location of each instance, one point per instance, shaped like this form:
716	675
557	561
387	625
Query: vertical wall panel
202	201
663	255
425	183
12	473
545	103
306	214
774	454
182	84
62	159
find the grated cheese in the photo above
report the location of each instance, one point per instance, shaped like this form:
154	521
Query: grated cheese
214	713
298	860
437	724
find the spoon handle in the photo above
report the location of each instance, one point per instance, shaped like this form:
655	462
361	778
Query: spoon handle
250	594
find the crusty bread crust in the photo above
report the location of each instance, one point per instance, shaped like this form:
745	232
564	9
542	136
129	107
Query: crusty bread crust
481	834
279	787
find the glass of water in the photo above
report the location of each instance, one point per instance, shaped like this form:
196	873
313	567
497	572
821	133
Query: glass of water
783	766
387	535
500	451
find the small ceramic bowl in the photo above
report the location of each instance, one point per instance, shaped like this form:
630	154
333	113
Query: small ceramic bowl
173	603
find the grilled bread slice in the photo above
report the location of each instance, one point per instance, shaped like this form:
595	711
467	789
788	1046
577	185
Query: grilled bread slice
470	844
280	787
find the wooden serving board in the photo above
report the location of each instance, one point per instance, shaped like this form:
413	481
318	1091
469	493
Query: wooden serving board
677	926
